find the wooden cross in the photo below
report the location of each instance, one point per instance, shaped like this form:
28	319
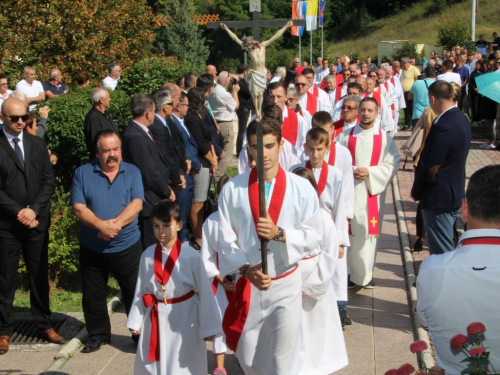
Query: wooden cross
256	23
373	221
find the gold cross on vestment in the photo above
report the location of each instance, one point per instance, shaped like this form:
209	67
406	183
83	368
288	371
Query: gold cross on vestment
373	221
163	290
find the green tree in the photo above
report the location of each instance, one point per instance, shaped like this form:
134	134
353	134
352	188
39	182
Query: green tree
73	35
453	31
408	49
180	36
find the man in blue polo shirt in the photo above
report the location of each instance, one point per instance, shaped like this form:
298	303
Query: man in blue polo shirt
53	87
107	196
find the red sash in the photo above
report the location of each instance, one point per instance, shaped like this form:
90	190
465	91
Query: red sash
215	283
339	78
376	96
333	154
338	92
315	91
237	312
480	241
386	85
338	127
312	103
323	176
276	200
290	127
373	211
162	275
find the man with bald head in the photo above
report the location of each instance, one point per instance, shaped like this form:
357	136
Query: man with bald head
32	88
53	87
26	185
212	70
97	119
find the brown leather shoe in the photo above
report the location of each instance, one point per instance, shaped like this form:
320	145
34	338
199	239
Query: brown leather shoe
51	336
4	344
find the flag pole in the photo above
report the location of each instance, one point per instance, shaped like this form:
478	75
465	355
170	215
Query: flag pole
311	47
300	49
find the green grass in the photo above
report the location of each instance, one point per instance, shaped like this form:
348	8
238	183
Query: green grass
60	300
231	171
414	24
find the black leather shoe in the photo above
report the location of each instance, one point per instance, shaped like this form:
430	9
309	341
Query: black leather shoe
370	285
344	318
94	344
350	284
419	245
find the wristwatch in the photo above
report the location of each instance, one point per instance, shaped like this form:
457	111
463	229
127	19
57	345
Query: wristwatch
280	235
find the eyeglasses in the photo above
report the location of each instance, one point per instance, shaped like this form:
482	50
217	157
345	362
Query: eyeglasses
348	107
3	83
300	84
16	118
170	104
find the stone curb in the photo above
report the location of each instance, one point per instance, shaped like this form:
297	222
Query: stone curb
74	344
426	357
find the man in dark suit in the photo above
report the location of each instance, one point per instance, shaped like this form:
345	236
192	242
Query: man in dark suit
140	148
185	197
246	105
26	185
98	119
440	176
165	140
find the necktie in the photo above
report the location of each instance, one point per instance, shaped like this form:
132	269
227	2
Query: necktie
152	138
18	151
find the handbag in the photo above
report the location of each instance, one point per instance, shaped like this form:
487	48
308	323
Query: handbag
210	205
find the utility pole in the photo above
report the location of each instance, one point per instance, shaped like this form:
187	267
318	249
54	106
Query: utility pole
473	20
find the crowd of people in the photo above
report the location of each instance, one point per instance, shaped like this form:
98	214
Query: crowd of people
329	156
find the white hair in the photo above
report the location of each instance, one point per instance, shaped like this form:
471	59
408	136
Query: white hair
280	70
53	73
97	94
223	77
292	91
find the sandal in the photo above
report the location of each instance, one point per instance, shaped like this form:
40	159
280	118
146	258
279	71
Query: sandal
195	245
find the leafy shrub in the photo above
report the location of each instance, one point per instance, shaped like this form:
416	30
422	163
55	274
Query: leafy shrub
65	128
453	31
63	238
149	75
408	49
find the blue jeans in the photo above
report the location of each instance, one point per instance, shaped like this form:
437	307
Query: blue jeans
439	227
184	199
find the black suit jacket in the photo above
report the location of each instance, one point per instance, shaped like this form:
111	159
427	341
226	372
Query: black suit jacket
139	149
440	176
209	120
166	145
244	95
96	121
31	186
179	144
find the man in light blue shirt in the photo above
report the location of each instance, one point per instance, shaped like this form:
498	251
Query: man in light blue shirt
419	93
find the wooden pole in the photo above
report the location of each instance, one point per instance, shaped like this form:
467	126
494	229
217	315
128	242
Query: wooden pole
262	192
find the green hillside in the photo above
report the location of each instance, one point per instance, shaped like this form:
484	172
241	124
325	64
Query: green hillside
416	24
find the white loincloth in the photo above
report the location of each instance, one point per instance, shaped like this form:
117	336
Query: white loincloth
258	82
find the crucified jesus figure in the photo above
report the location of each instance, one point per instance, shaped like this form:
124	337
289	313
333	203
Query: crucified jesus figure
257	52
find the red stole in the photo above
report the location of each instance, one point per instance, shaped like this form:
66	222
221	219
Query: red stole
237	310
338	92
338	127
376	96
215	283
312	103
276	200
386	85
315	91
373	211
162	275
290	127
323	176
333	153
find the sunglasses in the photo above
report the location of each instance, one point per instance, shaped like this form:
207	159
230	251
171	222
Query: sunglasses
170	104
347	107
300	84
16	118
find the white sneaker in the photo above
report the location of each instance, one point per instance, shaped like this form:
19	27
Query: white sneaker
484	145
489	147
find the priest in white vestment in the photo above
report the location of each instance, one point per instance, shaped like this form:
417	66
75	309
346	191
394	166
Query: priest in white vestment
376	161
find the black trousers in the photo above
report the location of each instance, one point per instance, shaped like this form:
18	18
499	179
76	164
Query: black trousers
33	244
95	268
408	110
243	115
